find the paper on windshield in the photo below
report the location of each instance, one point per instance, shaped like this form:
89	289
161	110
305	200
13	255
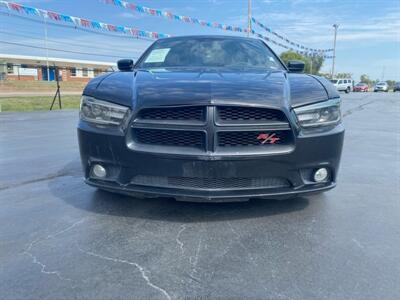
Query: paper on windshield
157	55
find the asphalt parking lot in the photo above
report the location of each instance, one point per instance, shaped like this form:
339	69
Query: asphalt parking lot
61	239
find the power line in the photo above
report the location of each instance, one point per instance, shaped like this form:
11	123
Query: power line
58	50
59	42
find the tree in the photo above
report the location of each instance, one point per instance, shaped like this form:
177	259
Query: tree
391	83
311	64
317	62
343	75
365	79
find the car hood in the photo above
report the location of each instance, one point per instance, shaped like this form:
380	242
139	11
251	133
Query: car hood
176	87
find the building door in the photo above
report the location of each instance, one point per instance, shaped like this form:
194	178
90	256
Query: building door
51	73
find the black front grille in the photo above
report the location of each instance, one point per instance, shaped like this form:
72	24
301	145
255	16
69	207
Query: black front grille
177	138
192	113
211	183
253	138
249	114
211	129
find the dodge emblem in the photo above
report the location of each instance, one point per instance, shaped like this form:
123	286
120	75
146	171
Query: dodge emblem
267	138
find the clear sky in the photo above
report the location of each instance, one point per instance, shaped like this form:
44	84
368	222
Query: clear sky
368	36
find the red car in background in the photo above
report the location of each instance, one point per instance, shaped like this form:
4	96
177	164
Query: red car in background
361	87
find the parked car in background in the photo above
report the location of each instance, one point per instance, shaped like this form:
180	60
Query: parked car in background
396	87
343	85
361	87
381	87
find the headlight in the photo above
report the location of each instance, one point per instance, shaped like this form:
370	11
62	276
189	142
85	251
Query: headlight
102	112
319	114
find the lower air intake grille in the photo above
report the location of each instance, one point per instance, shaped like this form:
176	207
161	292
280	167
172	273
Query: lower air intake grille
252	138
210	183
177	138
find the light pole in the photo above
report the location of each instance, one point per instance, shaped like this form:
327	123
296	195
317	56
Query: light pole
335	26
248	17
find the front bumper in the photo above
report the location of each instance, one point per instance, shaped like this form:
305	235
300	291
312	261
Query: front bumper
110	149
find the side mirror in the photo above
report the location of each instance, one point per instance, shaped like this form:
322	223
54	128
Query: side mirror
125	65
296	66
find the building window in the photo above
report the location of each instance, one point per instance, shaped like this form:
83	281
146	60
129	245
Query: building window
10	69
73	72
85	72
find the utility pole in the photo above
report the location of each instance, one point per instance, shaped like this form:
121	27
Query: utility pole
248	17
335	26
47	48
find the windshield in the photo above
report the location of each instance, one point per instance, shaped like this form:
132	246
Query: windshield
334	81
210	52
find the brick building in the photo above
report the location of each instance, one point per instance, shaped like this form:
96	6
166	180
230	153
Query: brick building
23	67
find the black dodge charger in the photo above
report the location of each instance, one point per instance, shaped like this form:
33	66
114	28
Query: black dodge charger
210	118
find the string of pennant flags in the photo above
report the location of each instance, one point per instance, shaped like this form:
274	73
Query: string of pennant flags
302	52
286	39
171	16
23	9
186	19
93	24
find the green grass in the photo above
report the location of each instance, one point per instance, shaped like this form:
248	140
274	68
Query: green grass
39	86
37	103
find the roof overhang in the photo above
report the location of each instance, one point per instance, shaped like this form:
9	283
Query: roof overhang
59	62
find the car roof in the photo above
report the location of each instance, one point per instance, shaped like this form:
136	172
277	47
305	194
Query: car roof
216	36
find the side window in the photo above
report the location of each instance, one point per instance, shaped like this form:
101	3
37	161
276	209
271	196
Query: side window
345	81
340	81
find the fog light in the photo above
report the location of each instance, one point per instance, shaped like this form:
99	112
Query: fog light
320	175
99	171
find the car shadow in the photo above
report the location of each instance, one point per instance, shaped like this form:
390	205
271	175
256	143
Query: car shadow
72	190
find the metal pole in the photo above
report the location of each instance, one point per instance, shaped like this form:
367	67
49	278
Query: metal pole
47	49
248	17
335	26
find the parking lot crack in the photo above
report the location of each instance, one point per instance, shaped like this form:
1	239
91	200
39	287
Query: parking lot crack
178	241
357	108
35	180
239	240
357	243
194	260
142	270
35	259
